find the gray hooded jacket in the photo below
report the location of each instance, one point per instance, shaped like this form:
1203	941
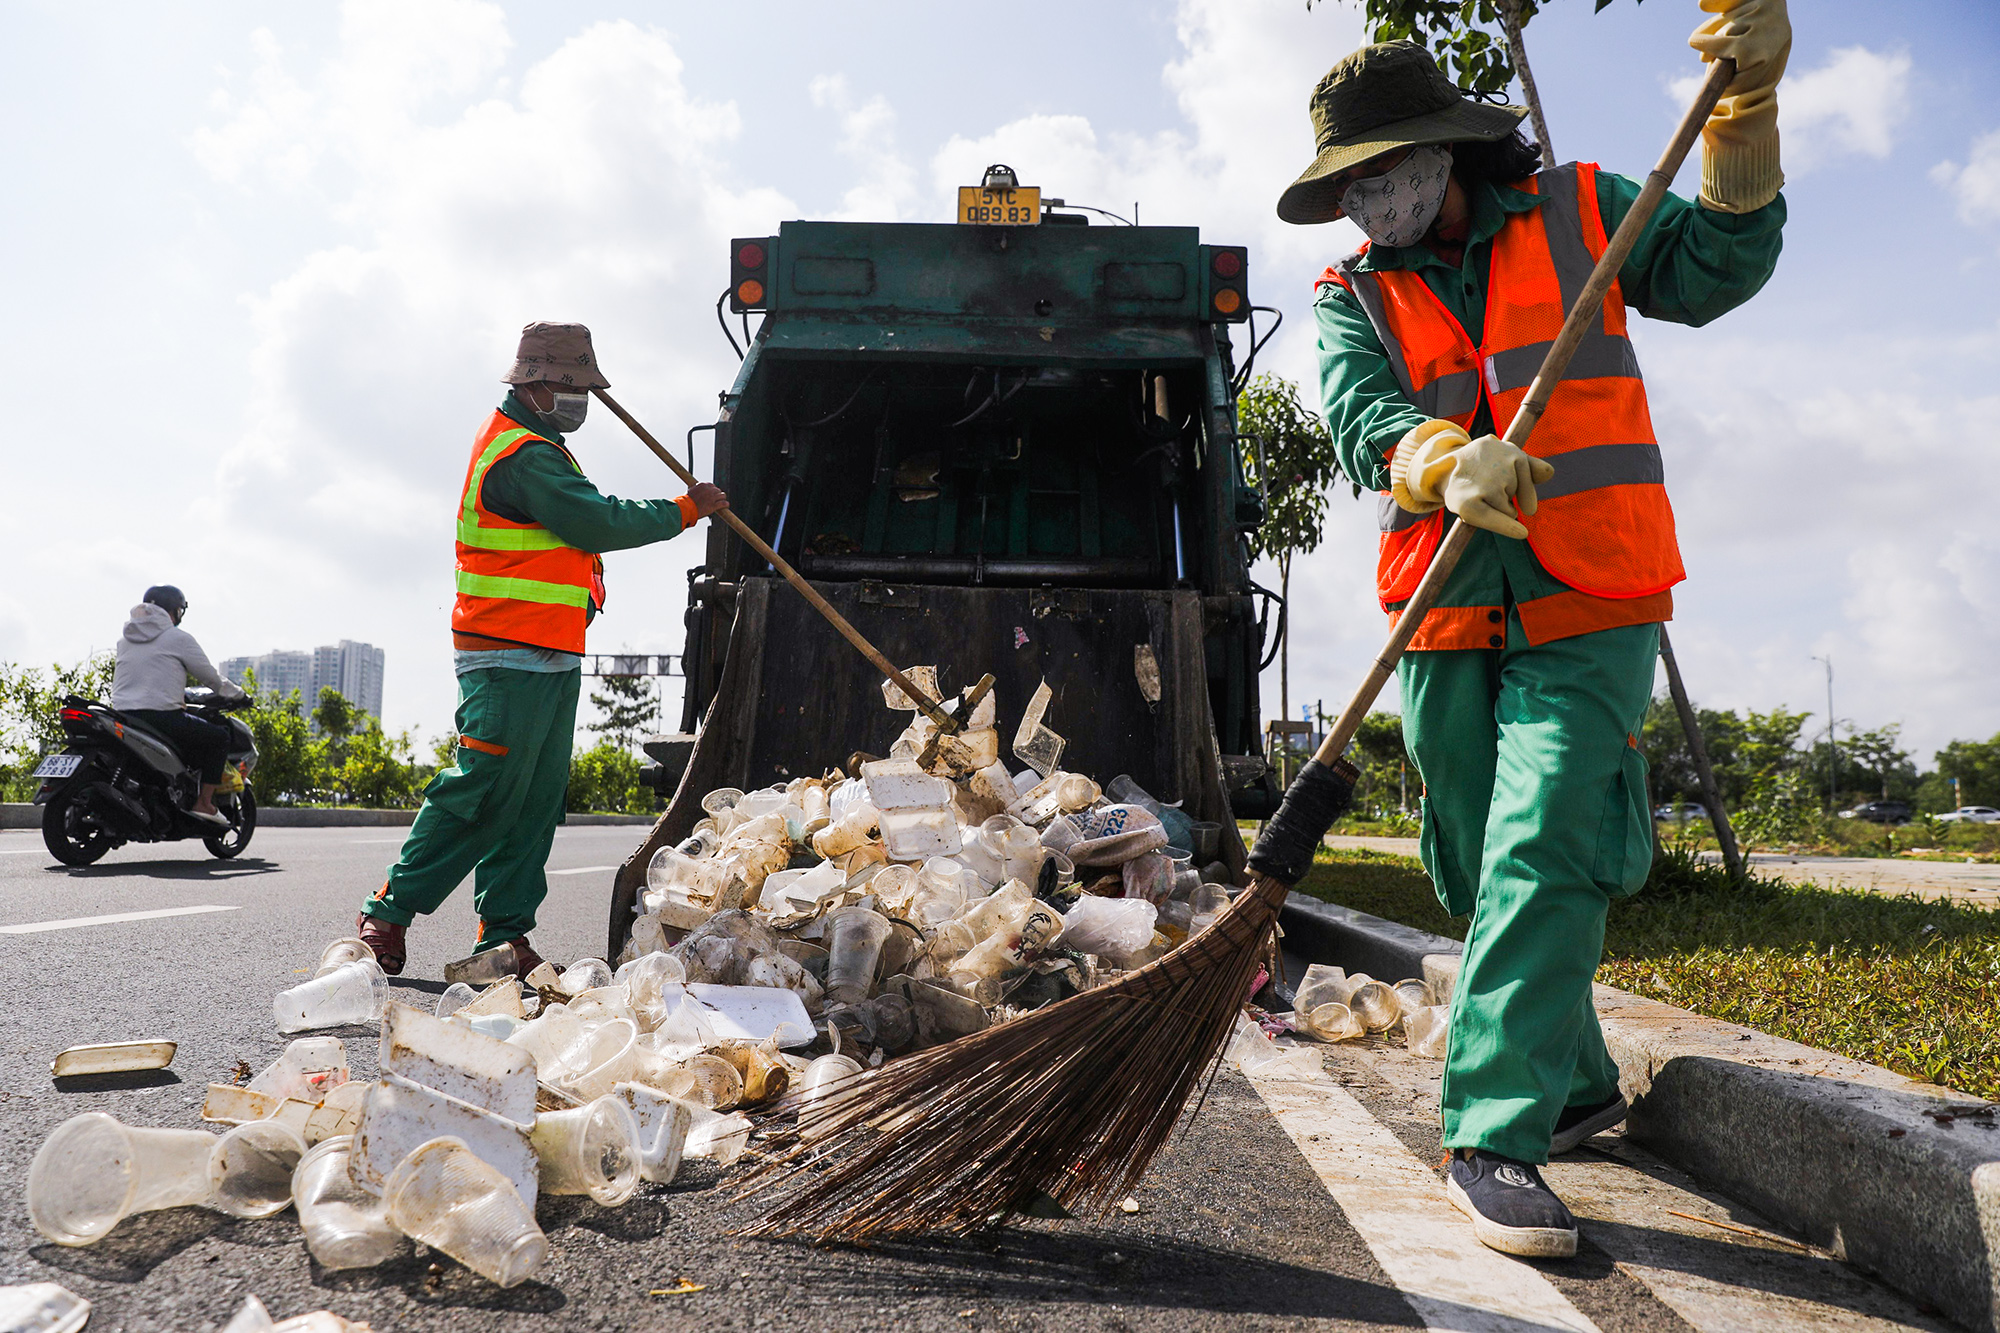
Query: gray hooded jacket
155	660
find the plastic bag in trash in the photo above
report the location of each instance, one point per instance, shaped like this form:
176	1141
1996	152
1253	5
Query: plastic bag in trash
1108	925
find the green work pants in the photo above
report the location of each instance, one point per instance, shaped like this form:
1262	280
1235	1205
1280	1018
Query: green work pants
1535	817
494	812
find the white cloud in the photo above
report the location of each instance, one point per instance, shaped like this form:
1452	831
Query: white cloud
598	191
887	188
1976	185
1854	104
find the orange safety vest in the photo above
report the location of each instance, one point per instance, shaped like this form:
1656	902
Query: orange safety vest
519	581
1603	525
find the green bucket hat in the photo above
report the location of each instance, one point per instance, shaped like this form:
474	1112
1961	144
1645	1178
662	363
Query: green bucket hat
1390	95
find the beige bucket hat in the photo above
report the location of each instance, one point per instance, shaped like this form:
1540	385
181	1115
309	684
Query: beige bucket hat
1390	95
558	353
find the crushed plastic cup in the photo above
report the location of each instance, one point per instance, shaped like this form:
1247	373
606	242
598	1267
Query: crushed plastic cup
309	1068
855	936
94	1172
355	992
888	1021
250	1168
551	1038
660	1125
1425	1031
341	952
707	1080
584	974
1322	984
345	1226
1331	1021
1004	907
717	1137
1260	1057
42	1307
1375	1005
442	1195
589	1149
1061	834
1412	994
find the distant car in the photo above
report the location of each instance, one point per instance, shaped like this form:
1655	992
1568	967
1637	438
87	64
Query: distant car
1971	814
1880	812
1680	814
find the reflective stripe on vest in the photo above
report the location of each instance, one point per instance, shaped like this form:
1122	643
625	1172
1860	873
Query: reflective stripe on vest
1603	525
516	581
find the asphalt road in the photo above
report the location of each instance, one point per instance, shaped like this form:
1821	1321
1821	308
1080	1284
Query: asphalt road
1298	1202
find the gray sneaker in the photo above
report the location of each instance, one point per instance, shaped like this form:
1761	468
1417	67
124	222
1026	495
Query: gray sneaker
1512	1211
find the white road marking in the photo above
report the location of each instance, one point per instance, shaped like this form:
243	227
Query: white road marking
34	927
582	870
23	851
1398	1206
362	842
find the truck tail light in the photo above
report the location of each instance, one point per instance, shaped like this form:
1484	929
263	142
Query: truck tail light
1225	283
750	272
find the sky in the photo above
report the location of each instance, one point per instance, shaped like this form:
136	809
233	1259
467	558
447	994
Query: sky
269	262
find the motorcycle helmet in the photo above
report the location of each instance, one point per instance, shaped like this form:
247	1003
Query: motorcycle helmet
168	598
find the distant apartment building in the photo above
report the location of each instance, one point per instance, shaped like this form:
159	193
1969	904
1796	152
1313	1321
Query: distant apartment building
355	669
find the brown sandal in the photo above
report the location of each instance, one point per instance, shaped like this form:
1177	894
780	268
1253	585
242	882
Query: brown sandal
384	939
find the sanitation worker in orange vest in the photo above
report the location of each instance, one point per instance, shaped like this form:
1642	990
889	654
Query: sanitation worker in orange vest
1526	685
532	532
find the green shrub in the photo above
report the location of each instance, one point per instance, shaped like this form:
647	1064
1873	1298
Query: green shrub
605	779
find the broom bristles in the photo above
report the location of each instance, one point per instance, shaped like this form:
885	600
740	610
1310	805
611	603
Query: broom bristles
1071	1101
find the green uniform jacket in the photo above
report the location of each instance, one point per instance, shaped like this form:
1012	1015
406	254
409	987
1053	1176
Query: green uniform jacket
1690	266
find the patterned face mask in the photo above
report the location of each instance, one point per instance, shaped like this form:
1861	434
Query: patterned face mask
1398	206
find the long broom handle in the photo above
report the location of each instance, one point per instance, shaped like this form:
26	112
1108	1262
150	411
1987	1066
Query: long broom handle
944	720
1588	307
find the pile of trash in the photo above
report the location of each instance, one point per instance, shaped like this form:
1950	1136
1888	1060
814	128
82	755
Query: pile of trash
1332	1006
800	936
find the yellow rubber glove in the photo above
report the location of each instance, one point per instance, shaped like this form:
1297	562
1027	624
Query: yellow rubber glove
1423	460
1437	466
1739	145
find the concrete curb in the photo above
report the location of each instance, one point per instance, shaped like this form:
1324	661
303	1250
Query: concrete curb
1896	1176
20	814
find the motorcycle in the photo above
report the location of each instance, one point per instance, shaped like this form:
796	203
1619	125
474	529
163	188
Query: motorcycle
117	782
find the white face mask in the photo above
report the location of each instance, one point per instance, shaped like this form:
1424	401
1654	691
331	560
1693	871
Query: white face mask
1398	206
568	412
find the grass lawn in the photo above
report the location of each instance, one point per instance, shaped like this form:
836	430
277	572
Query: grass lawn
1913	986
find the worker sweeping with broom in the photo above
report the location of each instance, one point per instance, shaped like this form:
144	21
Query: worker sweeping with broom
530	577
1525	686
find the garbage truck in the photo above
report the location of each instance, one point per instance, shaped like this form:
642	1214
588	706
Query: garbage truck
1003	445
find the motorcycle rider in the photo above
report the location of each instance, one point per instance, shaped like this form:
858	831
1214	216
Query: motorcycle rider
155	660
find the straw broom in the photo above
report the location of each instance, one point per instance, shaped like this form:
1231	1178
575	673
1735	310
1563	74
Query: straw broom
1073	1101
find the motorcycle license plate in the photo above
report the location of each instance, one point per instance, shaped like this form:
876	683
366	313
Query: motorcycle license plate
58	766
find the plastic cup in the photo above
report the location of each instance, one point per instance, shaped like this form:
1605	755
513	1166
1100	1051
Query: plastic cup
309	1068
1412	994
345	1226
720	1138
661	1125
94	1172
250	1168
1375	1005
348	950
1207	903
355	992
1330	1022
711	1081
584	974
1322	984
1426	1030
607	1055
855	937
550	1037
827	1082
442	1195
456	996
1061	835
589	1149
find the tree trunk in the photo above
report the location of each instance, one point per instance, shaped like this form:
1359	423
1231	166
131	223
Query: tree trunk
1510	20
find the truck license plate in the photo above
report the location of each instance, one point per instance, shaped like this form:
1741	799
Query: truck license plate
1018	207
58	766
